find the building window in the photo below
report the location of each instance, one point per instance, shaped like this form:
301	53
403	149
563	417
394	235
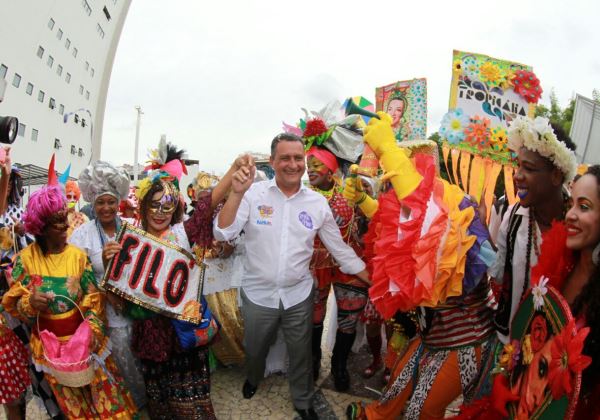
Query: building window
59	34
16	80
80	153
57	144
105	10
59	70
21	130
68	43
68	78
73	149
86	7
87	65
34	134
50	61
40	51
83	122
92	72
29	89
41	95
51	24
52	103
100	30
81	89
61	109
87	94
75	52
3	70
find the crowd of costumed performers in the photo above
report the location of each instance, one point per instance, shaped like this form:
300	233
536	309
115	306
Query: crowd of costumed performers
85	352
521	355
503	320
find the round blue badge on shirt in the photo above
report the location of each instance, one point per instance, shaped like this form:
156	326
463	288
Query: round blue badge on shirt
305	219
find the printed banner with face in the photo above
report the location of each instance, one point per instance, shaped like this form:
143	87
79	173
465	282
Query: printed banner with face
543	362
406	102
156	274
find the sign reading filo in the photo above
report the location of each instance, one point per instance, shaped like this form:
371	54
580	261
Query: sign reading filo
156	274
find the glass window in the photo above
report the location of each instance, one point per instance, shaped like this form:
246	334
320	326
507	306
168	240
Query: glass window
81	89
100	30
29	89
40	51
51	24
59	34
75	52
59	70
3	70
87	66
86	7
68	78
105	10
34	134
41	95
92	72
50	61
61	109
57	144
68	43
87	94
52	103
21	131
16	80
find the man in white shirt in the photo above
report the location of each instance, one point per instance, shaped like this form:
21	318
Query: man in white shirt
280	218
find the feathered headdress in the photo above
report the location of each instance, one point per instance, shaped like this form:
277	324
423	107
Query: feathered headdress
165	164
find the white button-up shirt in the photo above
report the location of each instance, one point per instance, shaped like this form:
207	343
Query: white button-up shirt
279	239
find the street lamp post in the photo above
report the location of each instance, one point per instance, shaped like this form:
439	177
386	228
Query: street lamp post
137	144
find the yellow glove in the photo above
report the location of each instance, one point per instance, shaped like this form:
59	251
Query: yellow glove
394	161
351	192
356	196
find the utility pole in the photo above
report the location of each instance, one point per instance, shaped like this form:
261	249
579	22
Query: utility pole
137	144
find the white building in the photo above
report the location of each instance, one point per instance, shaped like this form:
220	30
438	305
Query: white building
57	58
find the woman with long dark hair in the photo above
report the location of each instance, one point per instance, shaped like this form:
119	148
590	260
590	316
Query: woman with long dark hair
582	288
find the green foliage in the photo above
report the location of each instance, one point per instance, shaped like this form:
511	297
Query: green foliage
556	114
436	138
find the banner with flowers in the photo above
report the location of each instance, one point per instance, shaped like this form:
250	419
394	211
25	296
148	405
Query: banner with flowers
541	365
486	94
406	102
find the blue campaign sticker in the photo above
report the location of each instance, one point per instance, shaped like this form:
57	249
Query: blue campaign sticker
305	219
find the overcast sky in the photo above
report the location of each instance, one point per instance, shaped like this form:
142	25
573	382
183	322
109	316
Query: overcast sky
219	77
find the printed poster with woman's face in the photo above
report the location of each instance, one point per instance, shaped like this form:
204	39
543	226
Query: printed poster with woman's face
406	102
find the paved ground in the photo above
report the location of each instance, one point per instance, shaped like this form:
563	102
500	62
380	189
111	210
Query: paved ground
271	401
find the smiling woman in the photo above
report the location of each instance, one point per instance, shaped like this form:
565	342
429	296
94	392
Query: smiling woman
582	289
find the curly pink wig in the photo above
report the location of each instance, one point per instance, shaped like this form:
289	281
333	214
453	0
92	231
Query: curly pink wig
43	204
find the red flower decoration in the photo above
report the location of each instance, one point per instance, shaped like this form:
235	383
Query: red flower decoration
477	133
527	85
315	127
567	360
36	281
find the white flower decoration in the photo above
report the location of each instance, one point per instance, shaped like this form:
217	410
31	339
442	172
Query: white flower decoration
537	135
539	291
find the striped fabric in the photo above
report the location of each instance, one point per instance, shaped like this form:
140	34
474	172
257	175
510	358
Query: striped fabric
461	321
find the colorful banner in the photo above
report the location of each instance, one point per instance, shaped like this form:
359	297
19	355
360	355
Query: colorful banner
156	274
486	94
406	102
542	362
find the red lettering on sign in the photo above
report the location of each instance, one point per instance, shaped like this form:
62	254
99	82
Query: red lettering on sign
123	258
155	265
140	266
176	284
